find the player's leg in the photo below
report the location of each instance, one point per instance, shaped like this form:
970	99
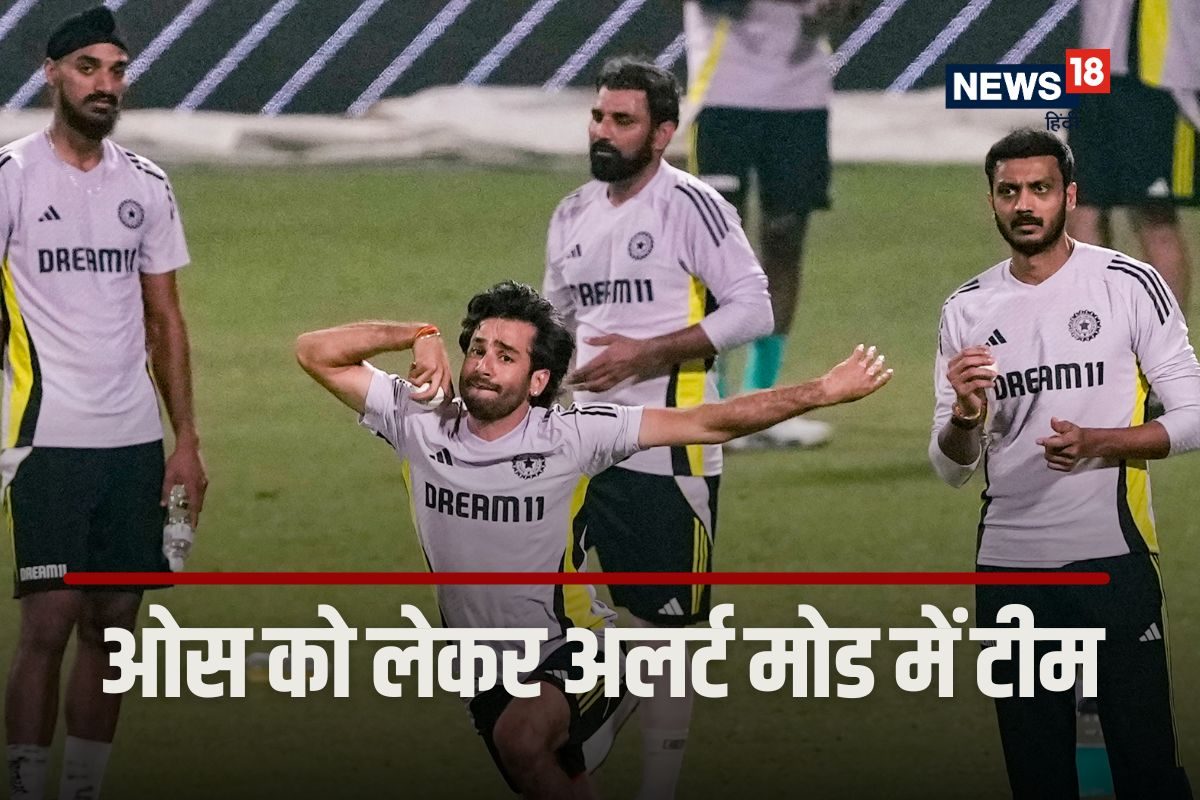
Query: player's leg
719	154
125	536
527	737
1162	173
548	745
31	699
1037	733
1135	683
1157	228
91	713
48	504
657	523
1090	224
793	180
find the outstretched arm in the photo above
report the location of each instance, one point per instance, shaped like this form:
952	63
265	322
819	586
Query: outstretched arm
714	423
334	358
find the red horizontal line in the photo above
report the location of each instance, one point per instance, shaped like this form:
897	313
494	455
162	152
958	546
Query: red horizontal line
1052	578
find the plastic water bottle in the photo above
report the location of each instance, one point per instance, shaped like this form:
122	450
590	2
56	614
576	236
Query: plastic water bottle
178	535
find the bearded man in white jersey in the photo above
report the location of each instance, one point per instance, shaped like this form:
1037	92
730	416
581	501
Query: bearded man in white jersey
497	479
651	269
1044	364
92	237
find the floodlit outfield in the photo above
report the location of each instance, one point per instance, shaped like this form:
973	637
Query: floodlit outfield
295	485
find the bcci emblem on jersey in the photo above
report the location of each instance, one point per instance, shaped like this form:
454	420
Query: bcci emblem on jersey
529	465
640	245
1084	325
131	213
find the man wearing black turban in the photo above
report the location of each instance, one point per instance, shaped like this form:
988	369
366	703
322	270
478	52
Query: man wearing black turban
85	67
90	237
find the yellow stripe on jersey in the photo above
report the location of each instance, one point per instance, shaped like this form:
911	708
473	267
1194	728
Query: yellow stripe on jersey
577	603
689	385
1153	25
406	474
699	562
1184	166
20	358
589	699
699	88
1137	477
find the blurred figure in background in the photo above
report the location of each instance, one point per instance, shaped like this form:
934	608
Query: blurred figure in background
1136	146
759	72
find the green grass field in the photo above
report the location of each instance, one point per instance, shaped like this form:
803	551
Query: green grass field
296	486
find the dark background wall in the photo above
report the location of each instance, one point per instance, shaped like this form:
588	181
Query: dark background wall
651	29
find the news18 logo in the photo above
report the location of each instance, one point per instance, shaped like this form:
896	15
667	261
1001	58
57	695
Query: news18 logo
1028	85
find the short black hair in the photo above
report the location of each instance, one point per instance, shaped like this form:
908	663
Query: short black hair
660	86
1030	143
553	344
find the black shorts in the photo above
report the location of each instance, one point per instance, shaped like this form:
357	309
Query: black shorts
1133	684
1133	148
788	151
85	510
655	523
595	719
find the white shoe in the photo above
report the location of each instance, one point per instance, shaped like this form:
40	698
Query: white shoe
796	432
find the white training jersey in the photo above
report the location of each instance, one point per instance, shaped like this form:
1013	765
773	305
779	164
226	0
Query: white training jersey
508	505
1165	32
74	247
1085	346
672	256
765	60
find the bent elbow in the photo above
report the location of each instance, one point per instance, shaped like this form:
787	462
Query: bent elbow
305	355
950	471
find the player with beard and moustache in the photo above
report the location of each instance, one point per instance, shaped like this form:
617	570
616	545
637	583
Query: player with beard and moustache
655	275
496	482
92	238
1044	363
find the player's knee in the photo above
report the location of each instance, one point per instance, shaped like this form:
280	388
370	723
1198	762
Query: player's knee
90	634
104	612
526	735
46	638
47	620
784	231
522	747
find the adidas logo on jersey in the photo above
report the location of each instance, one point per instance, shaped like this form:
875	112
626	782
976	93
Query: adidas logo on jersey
996	338
672	608
443	457
49	215
1152	634
575	252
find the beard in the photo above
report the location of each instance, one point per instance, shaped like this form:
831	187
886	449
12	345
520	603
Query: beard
94	126
488	402
611	166
1031	247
